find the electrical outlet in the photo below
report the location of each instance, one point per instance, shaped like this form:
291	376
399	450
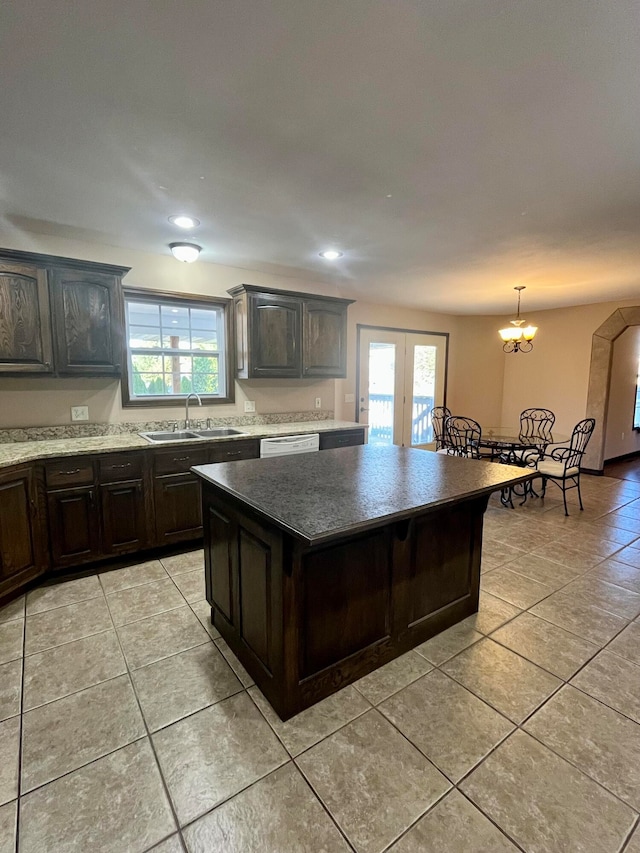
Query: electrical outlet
318	402
79	413
349	398
249	406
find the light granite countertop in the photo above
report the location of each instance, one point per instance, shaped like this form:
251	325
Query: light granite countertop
16	452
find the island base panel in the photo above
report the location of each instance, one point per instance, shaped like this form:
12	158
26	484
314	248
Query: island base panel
306	622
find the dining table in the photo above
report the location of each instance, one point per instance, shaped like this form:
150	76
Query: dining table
504	443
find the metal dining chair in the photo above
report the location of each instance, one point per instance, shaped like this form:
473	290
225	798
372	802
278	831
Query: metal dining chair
561	465
439	415
464	435
535	426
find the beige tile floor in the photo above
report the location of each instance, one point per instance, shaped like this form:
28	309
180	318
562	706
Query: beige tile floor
127	725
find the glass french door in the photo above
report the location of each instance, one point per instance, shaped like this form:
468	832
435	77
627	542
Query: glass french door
401	378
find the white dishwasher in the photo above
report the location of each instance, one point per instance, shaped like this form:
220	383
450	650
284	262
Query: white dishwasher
285	445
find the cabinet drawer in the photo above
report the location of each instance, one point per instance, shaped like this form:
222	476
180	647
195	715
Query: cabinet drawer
120	466
179	460
348	438
228	451
69	472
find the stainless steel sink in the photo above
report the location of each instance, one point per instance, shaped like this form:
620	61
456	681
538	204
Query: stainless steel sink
177	435
217	432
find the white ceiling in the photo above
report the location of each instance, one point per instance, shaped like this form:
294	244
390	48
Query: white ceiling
451	148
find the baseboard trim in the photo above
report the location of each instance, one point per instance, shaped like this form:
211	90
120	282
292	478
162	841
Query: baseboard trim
597	472
624	458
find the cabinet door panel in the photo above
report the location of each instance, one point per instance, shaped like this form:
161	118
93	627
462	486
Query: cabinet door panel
275	337
25	332
342	438
255	579
73	526
346	585
87	322
123	517
325	339
220	563
21	551
442	561
177	508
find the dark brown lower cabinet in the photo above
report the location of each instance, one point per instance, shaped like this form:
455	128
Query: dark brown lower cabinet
71	511
22	540
178	508
307	620
74	526
124	517
341	438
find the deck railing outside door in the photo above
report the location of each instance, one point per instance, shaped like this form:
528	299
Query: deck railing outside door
381	419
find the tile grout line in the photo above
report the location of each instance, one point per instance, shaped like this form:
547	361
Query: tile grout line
625	844
20	731
165	787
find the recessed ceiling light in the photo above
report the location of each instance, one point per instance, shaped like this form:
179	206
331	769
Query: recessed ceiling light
330	254
183	221
187	252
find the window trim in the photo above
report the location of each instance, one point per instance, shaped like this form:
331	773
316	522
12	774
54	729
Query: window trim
172	297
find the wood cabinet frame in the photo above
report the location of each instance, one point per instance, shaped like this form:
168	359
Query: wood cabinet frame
54	325
301	360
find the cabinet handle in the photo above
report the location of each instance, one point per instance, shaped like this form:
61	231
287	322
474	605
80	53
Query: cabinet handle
47	364
69	473
233	453
181	458
118	467
92	499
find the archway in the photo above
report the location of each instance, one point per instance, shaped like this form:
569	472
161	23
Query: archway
599	377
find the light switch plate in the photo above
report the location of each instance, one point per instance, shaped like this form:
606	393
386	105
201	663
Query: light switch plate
349	398
249	406
318	402
79	413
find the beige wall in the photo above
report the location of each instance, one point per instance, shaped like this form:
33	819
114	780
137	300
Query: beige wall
620	437
556	374
478	371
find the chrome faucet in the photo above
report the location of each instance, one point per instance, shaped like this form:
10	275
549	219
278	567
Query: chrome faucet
187	422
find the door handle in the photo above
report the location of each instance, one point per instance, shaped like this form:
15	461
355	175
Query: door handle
362	409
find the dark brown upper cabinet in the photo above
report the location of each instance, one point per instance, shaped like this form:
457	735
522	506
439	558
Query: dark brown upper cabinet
25	329
60	315
283	334
324	337
87	322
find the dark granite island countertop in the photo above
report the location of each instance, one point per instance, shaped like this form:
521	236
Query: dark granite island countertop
317	497
322	567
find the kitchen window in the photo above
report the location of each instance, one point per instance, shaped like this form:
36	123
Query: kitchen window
176	345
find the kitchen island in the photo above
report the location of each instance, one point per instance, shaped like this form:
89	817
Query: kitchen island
321	567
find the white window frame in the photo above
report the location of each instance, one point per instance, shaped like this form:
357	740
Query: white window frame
224	352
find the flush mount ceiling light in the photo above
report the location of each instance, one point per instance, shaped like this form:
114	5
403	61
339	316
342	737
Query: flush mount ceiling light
187	252
516	338
183	221
330	254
